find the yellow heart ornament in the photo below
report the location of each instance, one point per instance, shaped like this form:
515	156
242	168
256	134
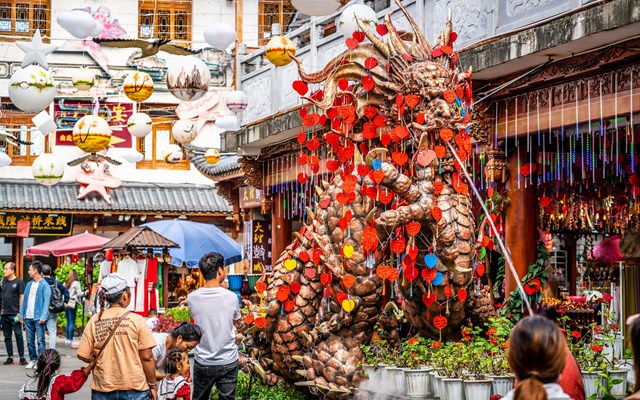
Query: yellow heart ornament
348	305
290	264
347	251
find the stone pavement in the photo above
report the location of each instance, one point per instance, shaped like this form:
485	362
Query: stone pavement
12	377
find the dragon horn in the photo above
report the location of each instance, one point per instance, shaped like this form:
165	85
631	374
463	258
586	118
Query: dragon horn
377	42
422	41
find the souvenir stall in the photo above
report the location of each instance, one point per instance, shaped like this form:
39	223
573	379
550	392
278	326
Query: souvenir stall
140	256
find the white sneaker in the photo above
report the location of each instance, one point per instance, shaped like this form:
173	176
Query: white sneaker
35	365
30	364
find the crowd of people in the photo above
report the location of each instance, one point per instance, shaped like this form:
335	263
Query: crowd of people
128	361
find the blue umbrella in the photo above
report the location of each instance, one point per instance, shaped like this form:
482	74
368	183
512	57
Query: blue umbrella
195	240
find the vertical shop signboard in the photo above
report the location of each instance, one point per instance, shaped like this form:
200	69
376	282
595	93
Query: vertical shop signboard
261	247
247	243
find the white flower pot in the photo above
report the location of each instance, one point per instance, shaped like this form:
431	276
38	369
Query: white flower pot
433	384
619	390
392	373
373	373
453	389
590	380
502	384
618	348
417	382
477	389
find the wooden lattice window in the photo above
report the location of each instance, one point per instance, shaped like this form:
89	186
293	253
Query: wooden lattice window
269	13
24	17
20	125
153	148
166	19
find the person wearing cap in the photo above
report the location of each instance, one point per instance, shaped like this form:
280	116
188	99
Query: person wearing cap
125	369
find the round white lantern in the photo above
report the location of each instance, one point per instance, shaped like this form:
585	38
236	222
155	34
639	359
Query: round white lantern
212	156
32	88
236	100
4	159
228	123
91	134
188	78
138	86
139	125
47	169
220	35
315	7
130	155
184	131
348	23
173	153
83	78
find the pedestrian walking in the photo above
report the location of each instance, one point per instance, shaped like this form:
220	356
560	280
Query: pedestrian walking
215	309
175	386
48	384
71	307
59	297
185	338
120	342
12	293
537	357
34	311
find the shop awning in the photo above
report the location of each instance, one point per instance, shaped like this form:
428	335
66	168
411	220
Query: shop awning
81	243
131	197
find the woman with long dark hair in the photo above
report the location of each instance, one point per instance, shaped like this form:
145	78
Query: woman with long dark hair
537	356
121	343
633	323
184	338
71	308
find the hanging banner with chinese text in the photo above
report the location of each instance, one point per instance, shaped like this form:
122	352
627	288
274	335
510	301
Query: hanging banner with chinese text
67	112
261	246
38	224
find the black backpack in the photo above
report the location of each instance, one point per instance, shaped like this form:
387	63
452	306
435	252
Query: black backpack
56	304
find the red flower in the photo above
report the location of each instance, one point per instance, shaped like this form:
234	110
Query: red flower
533	286
597	328
412	341
561	311
576	334
606	298
413	355
466	332
493	341
467	338
597	348
491	331
436	345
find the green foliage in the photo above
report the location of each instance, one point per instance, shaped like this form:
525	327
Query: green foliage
514	308
62	273
179	314
605	388
2	267
253	389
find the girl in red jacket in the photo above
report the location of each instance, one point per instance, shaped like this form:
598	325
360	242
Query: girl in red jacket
48	384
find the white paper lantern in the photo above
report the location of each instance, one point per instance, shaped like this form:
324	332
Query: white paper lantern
130	155
348	23
32	88
220	35
228	123
188	78
316	7
138	86
139	125
4	159
173	153
184	131
47	169
79	23
83	78
212	156
236	100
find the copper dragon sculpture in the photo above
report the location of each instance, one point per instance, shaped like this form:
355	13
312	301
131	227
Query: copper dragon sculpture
395	220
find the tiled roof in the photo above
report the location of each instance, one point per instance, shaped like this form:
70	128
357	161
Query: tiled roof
228	165
189	199
139	236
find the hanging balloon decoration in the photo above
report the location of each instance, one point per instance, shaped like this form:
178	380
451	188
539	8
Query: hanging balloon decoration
236	100
228	123
32	88
47	169
80	24
4	159
138	86
173	154
279	50
139	125
212	156
348	23
316	8
130	155
83	78
220	35
183	131
188	78
91	134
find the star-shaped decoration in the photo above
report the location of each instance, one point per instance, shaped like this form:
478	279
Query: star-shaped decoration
96	179
35	52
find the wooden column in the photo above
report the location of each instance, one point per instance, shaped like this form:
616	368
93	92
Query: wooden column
572	263
18	256
520	224
280	228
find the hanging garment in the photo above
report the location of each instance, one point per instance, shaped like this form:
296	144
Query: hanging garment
105	269
152	282
128	269
141	287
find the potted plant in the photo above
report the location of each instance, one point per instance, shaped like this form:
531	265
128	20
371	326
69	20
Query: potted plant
452	367
498	334
416	376
477	386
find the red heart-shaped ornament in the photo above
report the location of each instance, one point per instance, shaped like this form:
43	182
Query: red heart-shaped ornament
440	322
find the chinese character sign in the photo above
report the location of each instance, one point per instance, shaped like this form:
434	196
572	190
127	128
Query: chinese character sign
28	224
261	246
67	112
250	197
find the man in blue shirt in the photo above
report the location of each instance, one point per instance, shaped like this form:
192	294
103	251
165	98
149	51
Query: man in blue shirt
35	311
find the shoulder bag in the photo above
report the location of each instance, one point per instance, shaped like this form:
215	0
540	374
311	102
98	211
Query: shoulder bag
100	350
